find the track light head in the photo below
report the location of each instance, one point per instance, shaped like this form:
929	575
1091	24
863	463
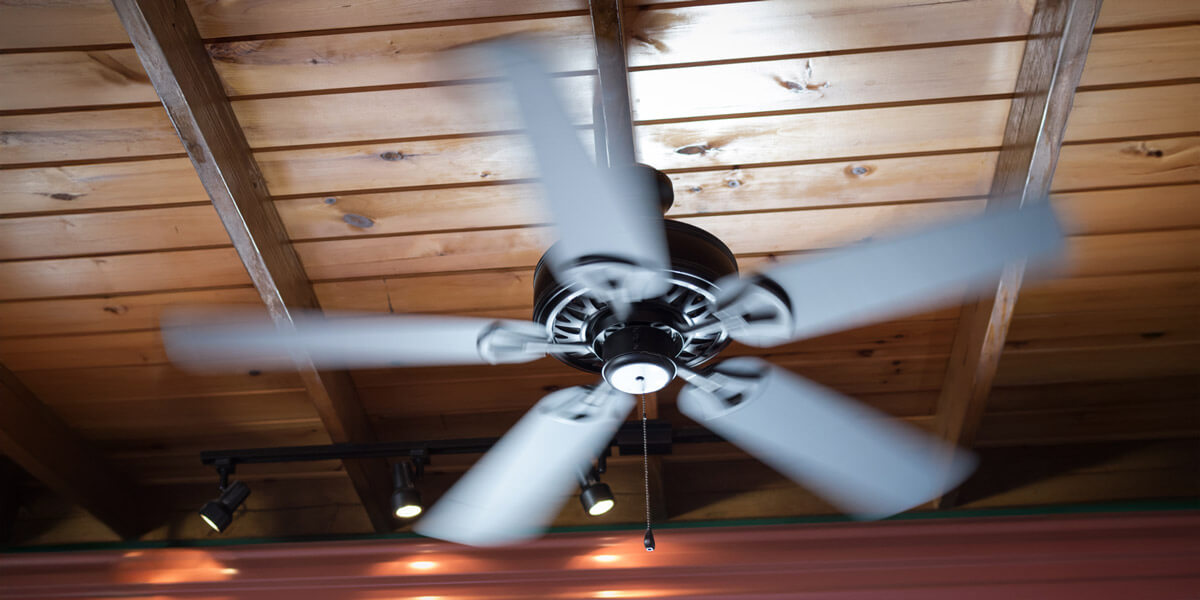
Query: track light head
218	513
596	497
406	500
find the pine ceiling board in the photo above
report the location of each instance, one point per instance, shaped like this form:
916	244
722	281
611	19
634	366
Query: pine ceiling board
734	190
107	314
73	78
108	384
505	248
1142	291
1130	162
111	232
1143	422
1099	364
908	76
1146	327
1129	210
32	139
415	56
83	351
154	424
281	122
405	113
1134	112
729	141
825	82
94	22
103	186
1128	253
121	273
1128	13
388	58
1096	394
1146	55
728	31
60	23
216	19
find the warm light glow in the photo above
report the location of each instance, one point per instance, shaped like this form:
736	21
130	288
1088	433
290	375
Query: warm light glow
605	558
210	523
422	565
613	594
408	511
428	598
229	571
600	507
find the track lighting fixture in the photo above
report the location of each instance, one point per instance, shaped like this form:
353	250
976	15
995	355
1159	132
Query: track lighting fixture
596	497
218	513
406	500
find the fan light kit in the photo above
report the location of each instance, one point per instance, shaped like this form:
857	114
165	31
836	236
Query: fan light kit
641	300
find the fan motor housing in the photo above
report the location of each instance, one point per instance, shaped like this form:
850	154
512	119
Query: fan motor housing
655	335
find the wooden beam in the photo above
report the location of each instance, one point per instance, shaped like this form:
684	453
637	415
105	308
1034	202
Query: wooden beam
612	85
174	57
41	444
1060	34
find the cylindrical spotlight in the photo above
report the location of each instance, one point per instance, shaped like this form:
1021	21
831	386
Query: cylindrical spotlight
406	500
219	513
595	497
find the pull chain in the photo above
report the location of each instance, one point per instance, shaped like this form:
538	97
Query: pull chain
648	539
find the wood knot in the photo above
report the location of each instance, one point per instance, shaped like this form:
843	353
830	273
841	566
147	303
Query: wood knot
859	170
1143	149
358	221
116	309
700	149
393	156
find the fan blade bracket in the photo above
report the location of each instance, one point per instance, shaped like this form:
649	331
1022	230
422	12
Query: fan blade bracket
755	311
617	282
513	342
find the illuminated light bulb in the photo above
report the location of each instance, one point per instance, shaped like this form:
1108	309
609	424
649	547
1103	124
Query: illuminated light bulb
408	511
601	507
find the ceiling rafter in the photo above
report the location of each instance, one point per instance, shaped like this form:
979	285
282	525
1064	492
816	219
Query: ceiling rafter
46	448
171	50
1059	37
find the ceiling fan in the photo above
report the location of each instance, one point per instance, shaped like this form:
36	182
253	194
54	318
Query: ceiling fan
642	300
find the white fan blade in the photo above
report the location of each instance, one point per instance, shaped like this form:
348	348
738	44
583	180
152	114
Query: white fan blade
236	338
518	487
860	460
598	215
877	281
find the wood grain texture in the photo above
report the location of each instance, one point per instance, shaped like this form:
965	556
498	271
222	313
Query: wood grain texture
166	39
105	186
37	440
1037	124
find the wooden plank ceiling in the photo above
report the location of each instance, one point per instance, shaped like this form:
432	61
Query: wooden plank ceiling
403	181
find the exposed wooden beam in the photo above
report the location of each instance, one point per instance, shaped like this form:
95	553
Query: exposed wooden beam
612	85
41	444
1060	34
174	57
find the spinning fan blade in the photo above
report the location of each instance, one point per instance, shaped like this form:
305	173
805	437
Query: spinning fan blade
858	459
234	338
517	488
610	235
876	281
